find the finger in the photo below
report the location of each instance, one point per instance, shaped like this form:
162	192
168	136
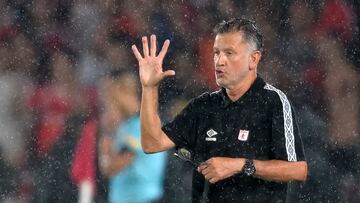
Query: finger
201	167
206	172
210	176
164	49
136	52
203	164
206	177
145	46
153	45
209	161
168	73
213	180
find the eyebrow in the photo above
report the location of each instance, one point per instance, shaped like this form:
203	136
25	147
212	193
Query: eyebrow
226	49
229	49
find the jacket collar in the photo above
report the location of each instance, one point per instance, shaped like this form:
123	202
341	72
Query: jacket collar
258	84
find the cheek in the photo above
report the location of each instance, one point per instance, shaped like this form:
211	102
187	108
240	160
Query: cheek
240	63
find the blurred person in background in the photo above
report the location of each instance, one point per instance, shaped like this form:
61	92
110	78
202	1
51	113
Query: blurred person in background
54	101
134	176
16	64
342	90
300	74
61	108
253	164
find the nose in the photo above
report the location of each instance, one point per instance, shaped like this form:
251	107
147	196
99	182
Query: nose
220	59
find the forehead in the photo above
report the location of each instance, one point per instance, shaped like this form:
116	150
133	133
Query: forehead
229	40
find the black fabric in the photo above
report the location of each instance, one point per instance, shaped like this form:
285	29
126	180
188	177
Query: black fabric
260	113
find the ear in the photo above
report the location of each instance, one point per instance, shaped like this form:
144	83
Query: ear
255	57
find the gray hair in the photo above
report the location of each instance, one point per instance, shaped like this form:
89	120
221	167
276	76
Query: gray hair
247	27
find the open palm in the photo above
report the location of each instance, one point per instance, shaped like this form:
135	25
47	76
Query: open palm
150	65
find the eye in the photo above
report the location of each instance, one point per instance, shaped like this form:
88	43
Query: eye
229	53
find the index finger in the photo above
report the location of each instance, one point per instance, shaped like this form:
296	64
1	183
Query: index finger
202	166
136	52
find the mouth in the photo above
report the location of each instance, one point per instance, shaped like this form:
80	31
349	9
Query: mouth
219	72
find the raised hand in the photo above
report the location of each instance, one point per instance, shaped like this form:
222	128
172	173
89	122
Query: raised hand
150	65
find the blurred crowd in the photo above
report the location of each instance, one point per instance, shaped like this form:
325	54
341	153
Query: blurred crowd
60	105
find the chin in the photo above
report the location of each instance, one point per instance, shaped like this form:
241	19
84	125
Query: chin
220	83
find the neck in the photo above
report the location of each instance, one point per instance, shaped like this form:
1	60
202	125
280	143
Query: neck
238	91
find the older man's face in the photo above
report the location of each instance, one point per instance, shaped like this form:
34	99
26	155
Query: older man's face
231	59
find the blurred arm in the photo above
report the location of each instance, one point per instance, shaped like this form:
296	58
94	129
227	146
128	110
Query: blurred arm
112	163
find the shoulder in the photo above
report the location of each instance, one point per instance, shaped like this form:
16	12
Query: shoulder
207	98
275	96
204	102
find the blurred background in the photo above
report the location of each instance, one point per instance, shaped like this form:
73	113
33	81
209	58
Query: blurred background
59	102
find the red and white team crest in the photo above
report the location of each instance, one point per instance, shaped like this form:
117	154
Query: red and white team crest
243	135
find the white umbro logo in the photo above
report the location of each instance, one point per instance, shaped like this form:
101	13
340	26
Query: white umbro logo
210	135
243	135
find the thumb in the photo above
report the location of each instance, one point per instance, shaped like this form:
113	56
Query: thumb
168	73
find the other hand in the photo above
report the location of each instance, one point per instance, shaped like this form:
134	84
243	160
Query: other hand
219	168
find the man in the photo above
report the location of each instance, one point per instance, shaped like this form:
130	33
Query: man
134	177
244	136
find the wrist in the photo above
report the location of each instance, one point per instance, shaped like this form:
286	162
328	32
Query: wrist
249	168
150	87
150	91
